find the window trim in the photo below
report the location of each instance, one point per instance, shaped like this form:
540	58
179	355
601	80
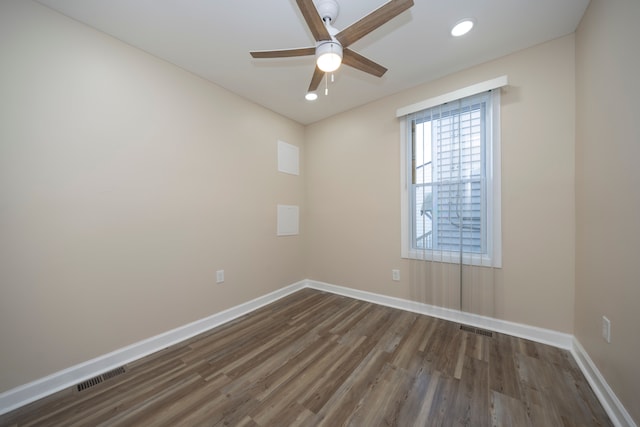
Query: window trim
494	215
475	89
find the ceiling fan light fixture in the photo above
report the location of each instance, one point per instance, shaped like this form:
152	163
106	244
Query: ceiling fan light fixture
329	56
462	27
311	96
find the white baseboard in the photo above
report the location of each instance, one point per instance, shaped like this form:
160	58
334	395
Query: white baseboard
544	336
610	402
27	393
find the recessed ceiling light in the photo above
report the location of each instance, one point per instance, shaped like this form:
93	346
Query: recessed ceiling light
462	27
311	96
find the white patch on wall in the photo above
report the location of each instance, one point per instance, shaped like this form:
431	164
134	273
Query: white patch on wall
288	158
288	219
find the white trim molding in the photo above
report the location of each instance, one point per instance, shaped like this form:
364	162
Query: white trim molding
610	402
544	336
485	86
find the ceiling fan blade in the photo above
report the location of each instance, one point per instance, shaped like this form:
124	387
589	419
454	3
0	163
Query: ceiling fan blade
318	74
378	17
361	63
314	21
285	53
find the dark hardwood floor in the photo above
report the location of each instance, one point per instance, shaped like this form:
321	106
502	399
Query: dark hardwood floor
315	358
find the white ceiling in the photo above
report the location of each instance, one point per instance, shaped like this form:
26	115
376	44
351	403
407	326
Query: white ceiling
213	38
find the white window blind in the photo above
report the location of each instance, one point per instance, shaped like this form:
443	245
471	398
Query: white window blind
451	192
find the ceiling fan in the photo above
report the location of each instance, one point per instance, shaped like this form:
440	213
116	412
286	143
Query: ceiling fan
332	46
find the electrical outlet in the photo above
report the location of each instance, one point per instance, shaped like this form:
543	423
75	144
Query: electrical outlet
606	329
219	276
395	275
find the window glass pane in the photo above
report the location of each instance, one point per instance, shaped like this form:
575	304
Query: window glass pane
424	213
448	178
422	152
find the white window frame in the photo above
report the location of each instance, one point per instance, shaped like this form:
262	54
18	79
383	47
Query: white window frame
493	257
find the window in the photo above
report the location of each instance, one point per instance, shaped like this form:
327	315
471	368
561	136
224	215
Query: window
451	191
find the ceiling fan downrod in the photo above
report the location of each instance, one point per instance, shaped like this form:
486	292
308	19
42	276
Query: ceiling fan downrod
328	10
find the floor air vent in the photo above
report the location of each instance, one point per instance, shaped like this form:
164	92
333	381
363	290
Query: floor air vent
476	330
113	373
100	378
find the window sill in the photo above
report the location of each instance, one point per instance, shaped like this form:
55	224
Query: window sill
481	260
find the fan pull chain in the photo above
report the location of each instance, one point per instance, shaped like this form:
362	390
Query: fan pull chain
326	82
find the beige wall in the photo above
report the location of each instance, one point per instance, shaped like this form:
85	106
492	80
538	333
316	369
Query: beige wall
353	189
125	183
607	193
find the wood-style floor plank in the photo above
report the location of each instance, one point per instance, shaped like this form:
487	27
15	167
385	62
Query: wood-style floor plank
319	359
